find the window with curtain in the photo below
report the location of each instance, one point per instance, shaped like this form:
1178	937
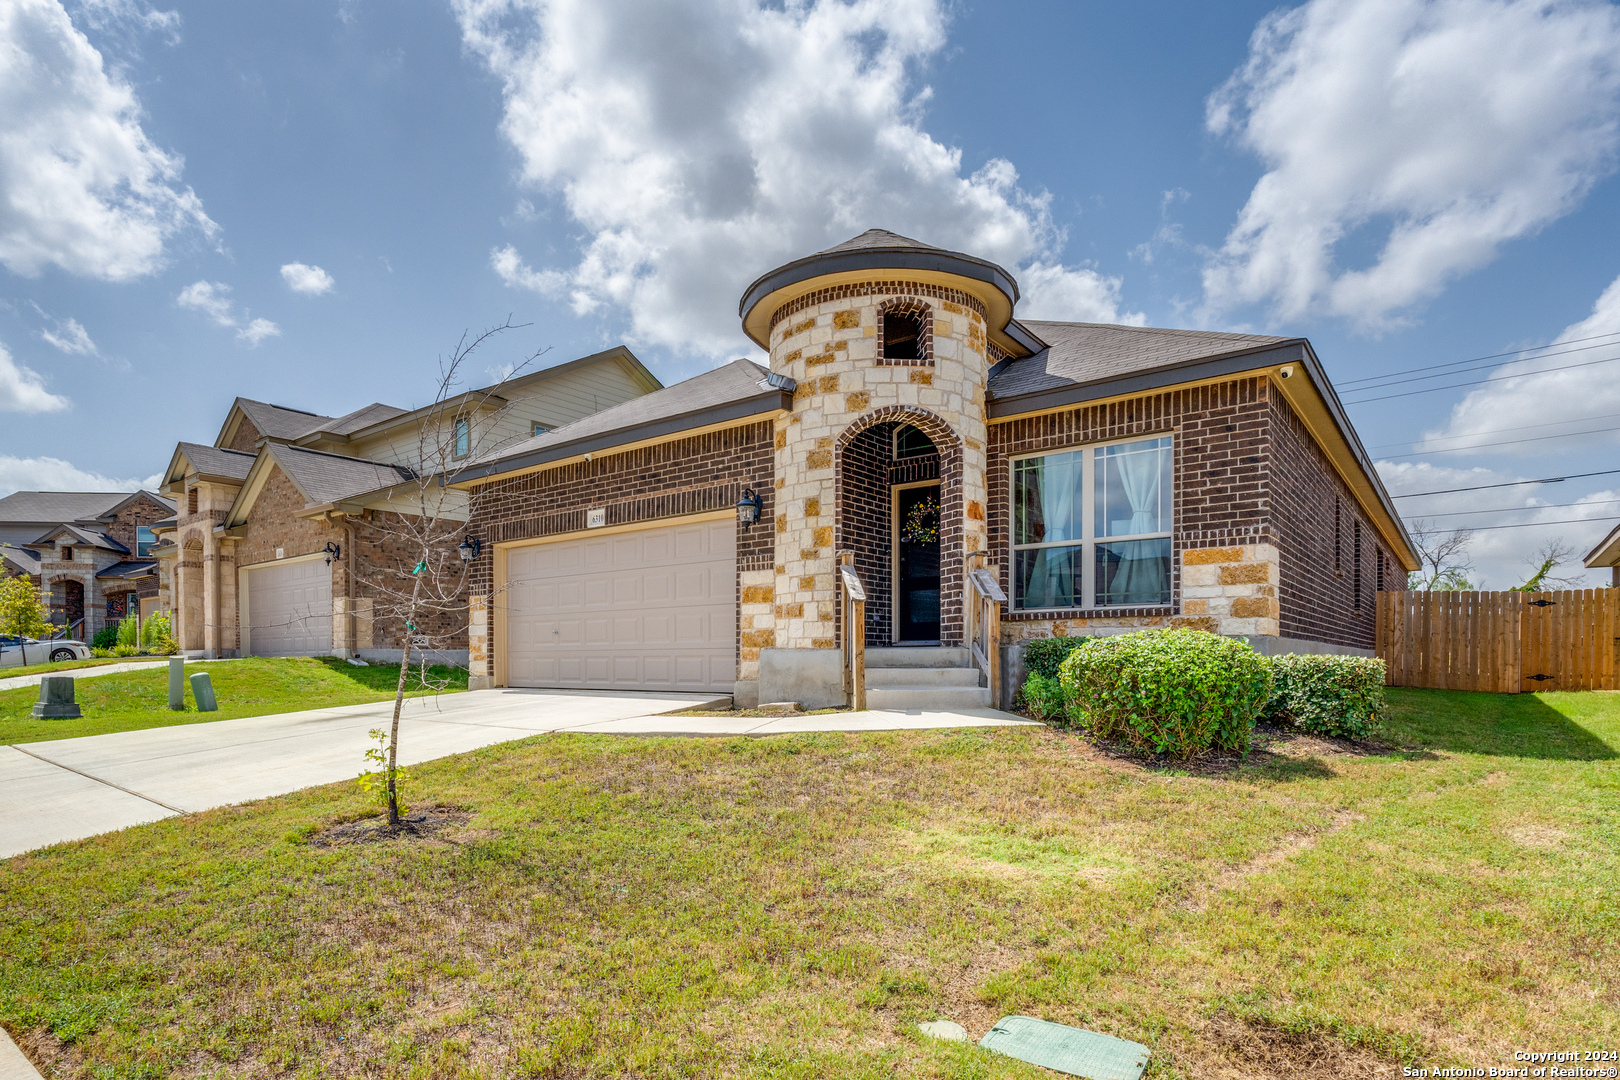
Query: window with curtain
1091	526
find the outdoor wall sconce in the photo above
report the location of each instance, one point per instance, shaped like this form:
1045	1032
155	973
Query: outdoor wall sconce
332	552
748	507
470	547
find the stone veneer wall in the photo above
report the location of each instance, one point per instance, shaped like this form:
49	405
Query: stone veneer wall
671	479
828	342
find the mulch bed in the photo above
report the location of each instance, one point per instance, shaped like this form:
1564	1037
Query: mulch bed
421	824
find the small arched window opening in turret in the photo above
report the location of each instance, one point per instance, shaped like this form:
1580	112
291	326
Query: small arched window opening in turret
905	335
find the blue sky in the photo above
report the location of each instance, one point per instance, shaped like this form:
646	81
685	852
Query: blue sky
307	203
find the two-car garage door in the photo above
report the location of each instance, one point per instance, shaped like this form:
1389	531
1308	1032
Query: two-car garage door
652	609
289	609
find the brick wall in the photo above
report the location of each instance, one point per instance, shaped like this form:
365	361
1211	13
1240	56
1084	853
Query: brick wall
246	438
1318	524
1221	462
141	512
864	515
1247	472
673	479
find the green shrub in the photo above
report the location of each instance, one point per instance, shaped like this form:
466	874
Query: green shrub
1327	695
105	638
125	650
129	632
155	630
1175	692
100	653
1044	656
1043	696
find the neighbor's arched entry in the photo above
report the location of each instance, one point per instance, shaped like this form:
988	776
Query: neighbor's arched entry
872	482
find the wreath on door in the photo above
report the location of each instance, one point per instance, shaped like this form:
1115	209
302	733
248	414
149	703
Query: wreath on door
922	522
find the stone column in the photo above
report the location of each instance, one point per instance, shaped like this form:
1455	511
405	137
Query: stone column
480	675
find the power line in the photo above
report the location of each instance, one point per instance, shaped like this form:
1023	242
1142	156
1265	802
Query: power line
1533	524
1391	380
1477	359
1505	442
1476	382
1501	431
1519	509
1510	483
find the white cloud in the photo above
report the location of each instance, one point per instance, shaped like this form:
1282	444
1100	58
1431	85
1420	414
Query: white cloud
303	278
1068	295
1592	390
81	185
702	142
54	474
213	299
22	390
257	330
70	336
1453	126
1499	555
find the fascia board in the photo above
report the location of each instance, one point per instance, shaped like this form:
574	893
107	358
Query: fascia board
767	404
1607	553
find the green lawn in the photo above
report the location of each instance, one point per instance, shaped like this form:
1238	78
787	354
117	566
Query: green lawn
73	665
792	906
250	687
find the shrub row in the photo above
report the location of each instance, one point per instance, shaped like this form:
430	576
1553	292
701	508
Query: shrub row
1180	692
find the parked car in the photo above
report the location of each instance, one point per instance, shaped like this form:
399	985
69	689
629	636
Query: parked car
22	651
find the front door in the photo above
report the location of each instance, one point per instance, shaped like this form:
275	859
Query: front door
917	563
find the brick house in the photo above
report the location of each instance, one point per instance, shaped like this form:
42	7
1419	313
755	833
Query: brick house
289	518
1111	477
90	552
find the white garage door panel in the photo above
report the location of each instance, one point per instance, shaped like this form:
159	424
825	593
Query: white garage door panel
290	609
653	609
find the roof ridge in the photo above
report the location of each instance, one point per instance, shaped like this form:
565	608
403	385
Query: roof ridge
276	447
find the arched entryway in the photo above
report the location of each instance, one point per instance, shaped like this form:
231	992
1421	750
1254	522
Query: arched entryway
898	477
73	605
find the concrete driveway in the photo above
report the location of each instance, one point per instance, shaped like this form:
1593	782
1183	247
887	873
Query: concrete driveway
72	788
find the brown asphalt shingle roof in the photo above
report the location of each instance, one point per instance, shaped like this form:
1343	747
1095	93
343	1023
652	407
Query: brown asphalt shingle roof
1081	353
217	461
877	240
52	506
328	478
280	422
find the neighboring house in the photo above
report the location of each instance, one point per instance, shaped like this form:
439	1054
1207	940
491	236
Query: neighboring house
1607	553
90	552
285	517
1115	477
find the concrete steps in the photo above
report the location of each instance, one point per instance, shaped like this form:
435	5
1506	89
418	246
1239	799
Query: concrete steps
925	677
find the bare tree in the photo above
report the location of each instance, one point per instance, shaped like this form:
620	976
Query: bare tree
1549	557
420	589
1444	554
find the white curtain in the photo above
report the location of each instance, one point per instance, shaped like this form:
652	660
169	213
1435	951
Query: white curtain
1139	478
1053	576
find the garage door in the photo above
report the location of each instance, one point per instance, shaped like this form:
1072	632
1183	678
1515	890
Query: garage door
653	609
289	610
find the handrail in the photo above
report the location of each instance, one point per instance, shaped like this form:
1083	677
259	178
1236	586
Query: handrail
852	600
984	621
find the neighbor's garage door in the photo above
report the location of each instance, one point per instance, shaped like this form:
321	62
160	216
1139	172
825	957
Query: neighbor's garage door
289	610
653	609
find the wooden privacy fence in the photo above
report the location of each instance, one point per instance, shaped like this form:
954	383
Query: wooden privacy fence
1502	642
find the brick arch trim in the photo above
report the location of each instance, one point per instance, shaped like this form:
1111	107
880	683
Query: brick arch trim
951	502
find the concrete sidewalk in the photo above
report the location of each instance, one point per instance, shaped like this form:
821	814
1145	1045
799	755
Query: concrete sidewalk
92	672
68	789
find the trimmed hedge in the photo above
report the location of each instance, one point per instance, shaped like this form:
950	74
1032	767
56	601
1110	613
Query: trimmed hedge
1176	692
1044	656
1327	695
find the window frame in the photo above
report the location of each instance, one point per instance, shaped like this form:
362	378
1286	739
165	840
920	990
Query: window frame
150	541
537	428
1088	541
894	447
460	432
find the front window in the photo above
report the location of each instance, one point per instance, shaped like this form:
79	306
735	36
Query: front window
537	428
1091	527
143	541
463	438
